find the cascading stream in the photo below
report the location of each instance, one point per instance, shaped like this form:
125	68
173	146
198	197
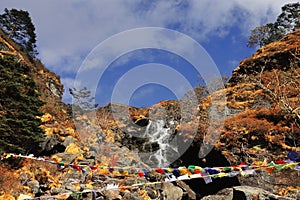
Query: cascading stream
158	133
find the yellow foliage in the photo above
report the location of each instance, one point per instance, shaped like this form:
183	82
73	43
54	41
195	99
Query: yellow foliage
55	183
284	191
62	138
46	117
82	118
110	139
56	158
103	171
50	130
79	157
8	197
77	186
41	71
109	136
89	184
143	194
109	133
27	189
73	149
70	131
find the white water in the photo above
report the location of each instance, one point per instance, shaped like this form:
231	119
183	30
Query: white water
167	152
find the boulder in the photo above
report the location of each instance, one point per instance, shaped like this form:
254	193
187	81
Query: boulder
34	186
171	192
245	193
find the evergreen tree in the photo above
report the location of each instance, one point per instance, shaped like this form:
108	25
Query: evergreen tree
18	25
289	19
20	130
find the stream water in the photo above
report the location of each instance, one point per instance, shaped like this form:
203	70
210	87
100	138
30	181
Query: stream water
157	132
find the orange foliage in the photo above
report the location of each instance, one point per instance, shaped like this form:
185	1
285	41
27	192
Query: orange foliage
256	127
9	178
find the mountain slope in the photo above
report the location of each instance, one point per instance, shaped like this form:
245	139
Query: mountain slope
261	125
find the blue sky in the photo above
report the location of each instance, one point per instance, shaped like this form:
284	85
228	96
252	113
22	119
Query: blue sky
68	31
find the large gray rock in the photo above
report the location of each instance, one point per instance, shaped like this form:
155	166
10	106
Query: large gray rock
112	194
245	193
171	192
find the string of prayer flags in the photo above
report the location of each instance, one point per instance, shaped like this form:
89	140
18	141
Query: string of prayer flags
294	156
182	172
170	178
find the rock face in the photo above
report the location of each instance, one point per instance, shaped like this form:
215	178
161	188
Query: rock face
262	123
262	99
262	119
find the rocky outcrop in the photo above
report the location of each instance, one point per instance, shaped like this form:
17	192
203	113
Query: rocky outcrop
278	55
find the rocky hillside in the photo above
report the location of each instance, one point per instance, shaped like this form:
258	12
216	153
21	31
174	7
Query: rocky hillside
261	124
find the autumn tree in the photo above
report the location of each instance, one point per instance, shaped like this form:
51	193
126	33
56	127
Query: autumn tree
287	21
19	27
265	34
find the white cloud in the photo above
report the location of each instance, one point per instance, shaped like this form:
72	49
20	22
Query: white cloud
68	29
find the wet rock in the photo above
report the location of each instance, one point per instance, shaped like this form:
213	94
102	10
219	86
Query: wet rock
142	121
171	192
149	147
34	186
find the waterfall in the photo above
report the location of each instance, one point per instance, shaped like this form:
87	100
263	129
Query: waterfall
157	132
